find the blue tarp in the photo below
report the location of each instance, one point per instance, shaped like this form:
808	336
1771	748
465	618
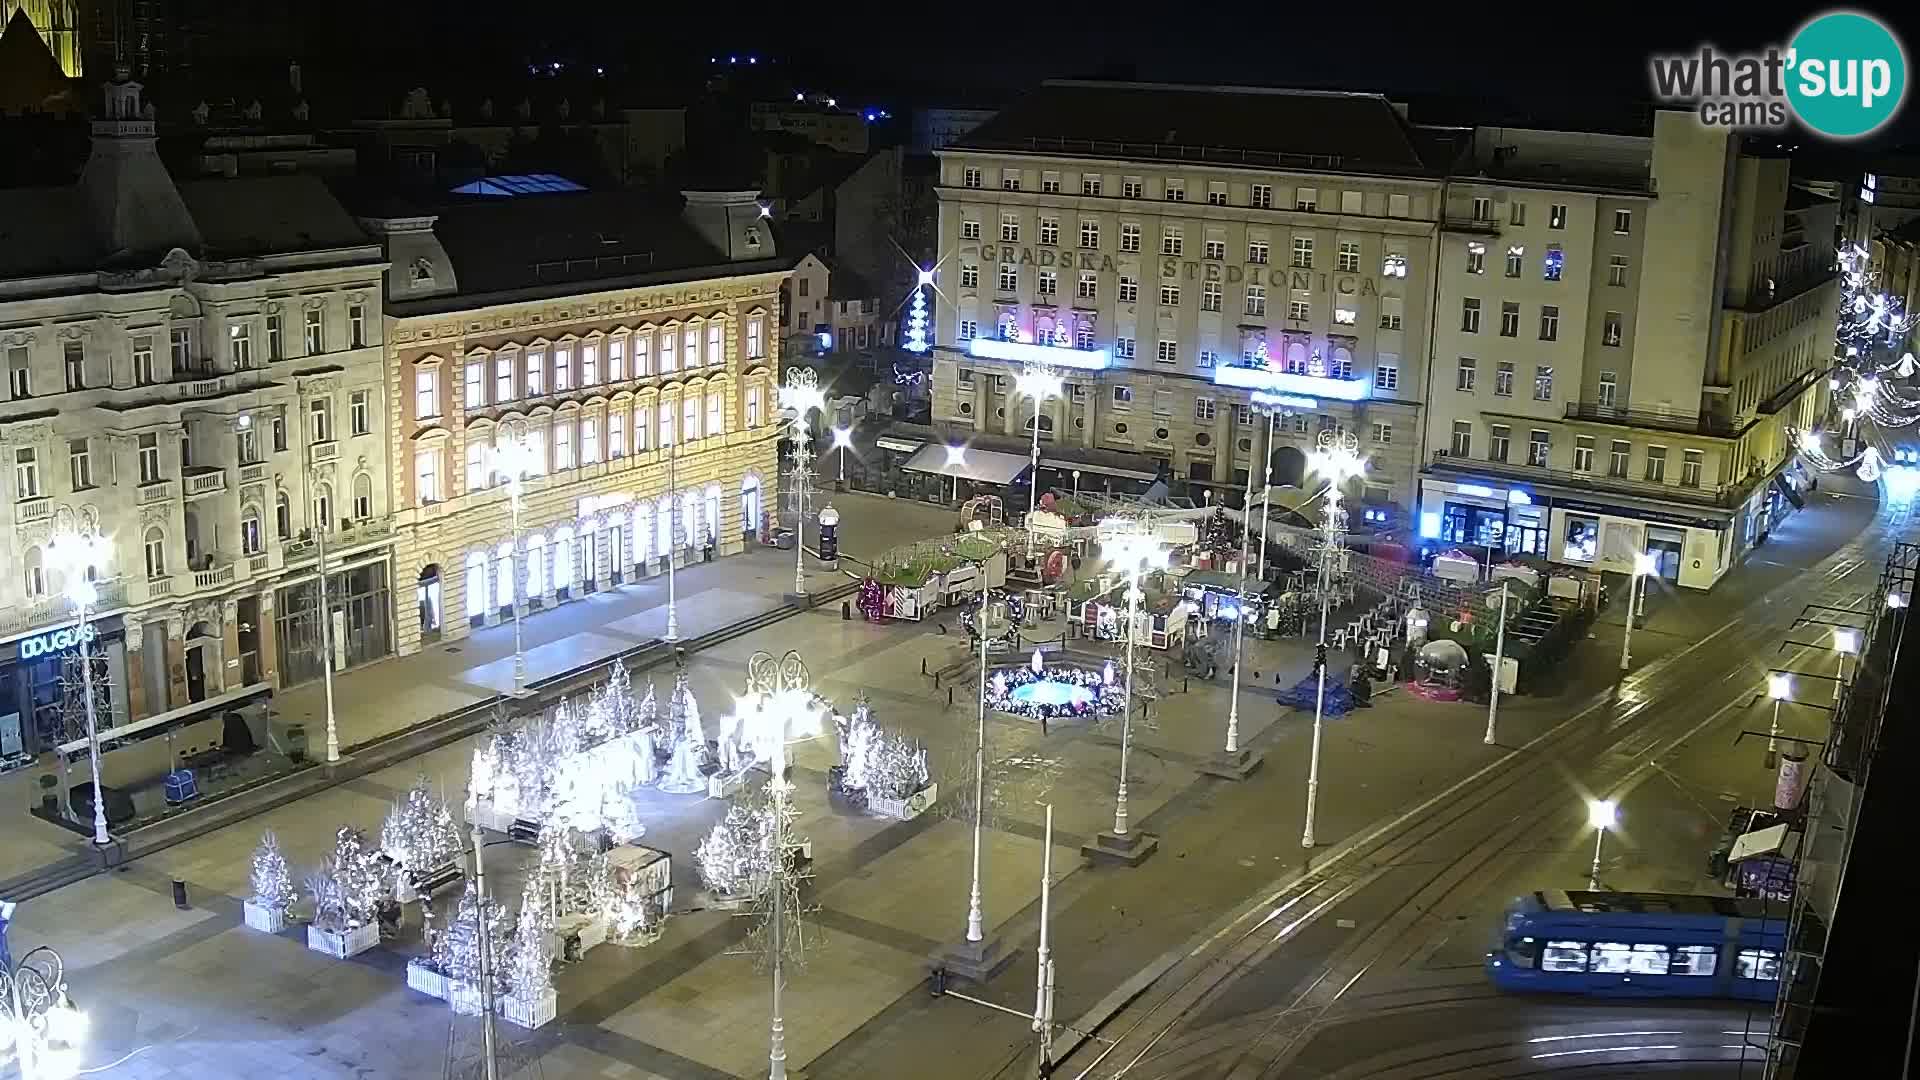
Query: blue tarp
1339	701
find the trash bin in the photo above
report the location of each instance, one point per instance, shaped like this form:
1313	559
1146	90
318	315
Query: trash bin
297	743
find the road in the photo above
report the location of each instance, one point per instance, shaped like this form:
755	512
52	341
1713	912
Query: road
1369	963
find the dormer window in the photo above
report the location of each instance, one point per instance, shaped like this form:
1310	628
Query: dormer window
753	236
422	273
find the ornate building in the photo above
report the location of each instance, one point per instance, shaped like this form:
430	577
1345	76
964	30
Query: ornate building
58	24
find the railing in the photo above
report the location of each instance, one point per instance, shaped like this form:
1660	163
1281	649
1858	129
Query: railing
1469	224
368	531
200	388
214	578
1718	495
160	586
323	451
57	609
158	491
1685	423
259	564
250	474
28	511
206	483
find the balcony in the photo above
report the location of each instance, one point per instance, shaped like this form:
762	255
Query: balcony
1718	427
259	564
156	491
254	473
159	586
323	451
53	610
1720	496
214	576
1466	223
28	511
205	481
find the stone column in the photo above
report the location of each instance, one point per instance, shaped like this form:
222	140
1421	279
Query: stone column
135	691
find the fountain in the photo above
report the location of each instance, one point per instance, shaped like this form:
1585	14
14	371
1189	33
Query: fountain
1037	691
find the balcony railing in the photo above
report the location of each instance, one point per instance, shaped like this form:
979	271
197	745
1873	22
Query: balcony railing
157	491
260	564
27	511
323	451
52	610
208	482
253	474
1467	223
1721	427
160	586
1717	495
213	577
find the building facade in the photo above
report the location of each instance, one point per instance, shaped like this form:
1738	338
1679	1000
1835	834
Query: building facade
1184	254
645	400
194	370
1625	331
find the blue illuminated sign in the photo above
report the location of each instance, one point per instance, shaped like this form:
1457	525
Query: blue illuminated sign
1023	352
55	641
1282	401
1284	382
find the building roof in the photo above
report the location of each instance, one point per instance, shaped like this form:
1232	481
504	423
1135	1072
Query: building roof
1307	129
1801	197
498	244
264	215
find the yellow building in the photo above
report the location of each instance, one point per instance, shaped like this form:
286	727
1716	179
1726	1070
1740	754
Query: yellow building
58	24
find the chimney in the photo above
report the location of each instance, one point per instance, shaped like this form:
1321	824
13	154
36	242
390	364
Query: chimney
734	222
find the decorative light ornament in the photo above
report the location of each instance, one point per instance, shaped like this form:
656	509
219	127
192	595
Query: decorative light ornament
1870	466
917	317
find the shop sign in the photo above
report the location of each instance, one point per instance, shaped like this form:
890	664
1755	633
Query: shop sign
56	641
1639	515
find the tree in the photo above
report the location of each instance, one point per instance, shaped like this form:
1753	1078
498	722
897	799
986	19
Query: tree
272	884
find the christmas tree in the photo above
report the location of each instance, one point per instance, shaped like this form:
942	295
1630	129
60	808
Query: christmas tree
420	834
272	884
1220	537
917	322
456	949
683	713
351	883
529	959
735	858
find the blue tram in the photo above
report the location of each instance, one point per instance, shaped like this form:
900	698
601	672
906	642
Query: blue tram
1639	945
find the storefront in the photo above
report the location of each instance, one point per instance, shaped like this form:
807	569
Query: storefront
35	711
360	601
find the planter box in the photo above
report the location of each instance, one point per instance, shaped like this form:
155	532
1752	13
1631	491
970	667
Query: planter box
905	809
264	919
426	980
532	1011
590	929
721	786
343	945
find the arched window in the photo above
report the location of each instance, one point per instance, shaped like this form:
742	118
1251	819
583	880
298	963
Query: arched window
642	532
503	576
282	516
252	541
1296	358
476	584
156	552
750	505
362	497
536	566
36	573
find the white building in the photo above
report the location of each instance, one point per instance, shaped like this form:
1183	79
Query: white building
1624	329
1176	250
194	370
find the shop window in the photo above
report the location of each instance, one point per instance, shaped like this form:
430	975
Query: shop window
1582	539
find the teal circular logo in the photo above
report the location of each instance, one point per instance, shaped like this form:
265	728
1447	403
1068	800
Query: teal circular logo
1846	74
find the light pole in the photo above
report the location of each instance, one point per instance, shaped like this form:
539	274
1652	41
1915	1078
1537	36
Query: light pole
1043	956
1499	664
1846	642
1643	564
79	556
1038	382
42	1025
514	459
673	542
956	457
976	928
1274	415
1076	484
1134	551
1601	814
1779	688
320	529
1234	763
801	394
1338	459
842	439
482	934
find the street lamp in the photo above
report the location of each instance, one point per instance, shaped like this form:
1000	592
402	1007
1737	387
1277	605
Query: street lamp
1779	688
1643	565
842	440
956	457
1499	663
1134	552
41	1022
1337	458
1076	484
1846	642
515	458
1601	814
1036	381
801	395
79	555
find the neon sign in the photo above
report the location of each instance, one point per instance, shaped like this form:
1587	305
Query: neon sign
56	641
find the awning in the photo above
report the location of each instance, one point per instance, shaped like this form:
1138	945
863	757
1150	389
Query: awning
1104	470
905	446
980	466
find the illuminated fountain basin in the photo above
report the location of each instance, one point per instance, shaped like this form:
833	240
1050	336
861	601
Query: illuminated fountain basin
1060	691
1052	692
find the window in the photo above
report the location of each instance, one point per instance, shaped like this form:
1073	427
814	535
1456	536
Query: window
1009	277
1169	295
969	276
1503	379
970	177
1468	372
426	475
969	329
643	354
1009	228
1129	237
1517	213
1123	396
666	423
1123	348
239	346
1691	463
1382	433
1622	222
357	325
1162	406
1050	231
590	356
155	548
323	507
1049	283
320	420
1206	358
1175	190
1299	307
19	372
1349	257
477	477
362	497
1617	457
617	351
643	421
1557	216
1390	309
1539	448
1694	960
716	414
1617	270
282	516
76	362
1476	258
149	458
536	378
1500	435
1399	205
1088	287
1462	439
1261	196
562	444
1393	264
1509	319
1306	198
1083	337
1346	316
969	230
1009	327
1607	388
503	378
1129	290
690	417
1090	185
26	474
475	390
1089	234
360	412
279	425
1257	251
1470	315
1171	242
80	463
1757	964
1549	323
251	541
1543	382
1216	194
1554	263
1050	183
1482	209
1203	409
181	352
1516	260
1133	188
1303	252
276	339
1210	294
563	361
1583	453
1610	329
1386	376
756	342
1169	352
316	337
1009	179
426	395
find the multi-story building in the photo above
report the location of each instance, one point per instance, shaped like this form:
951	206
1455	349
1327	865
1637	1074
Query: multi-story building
1182	253
58	24
816	120
1624	330
194	371
633	351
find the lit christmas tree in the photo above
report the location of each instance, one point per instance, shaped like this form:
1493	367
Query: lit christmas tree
529	959
917	320
735	859
420	834
456	949
272	884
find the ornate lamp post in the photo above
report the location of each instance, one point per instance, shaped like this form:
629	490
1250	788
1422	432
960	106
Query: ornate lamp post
1643	564
801	395
1038	382
842	440
1601	814
514	458
42	1024
1338	459
1134	550
79	553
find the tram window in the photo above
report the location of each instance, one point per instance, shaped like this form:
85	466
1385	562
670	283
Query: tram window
1757	964
1695	960
1565	956
1648	960
1521	952
1610	957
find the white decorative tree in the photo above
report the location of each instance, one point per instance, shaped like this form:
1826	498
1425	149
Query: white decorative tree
735	858
529	959
620	813
420	834
349	886
272	883
456	949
